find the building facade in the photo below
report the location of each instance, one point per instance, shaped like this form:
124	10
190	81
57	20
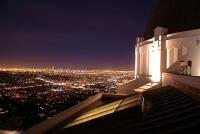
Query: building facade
176	53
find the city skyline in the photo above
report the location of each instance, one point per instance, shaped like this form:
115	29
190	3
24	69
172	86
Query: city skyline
80	35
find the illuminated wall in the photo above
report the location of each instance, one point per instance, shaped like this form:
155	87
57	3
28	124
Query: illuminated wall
150	61
156	55
186	47
144	53
155	62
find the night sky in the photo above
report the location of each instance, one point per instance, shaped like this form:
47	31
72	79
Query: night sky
80	34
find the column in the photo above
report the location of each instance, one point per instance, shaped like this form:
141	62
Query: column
137	56
160	38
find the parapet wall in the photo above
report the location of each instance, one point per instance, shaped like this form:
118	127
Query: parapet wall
173	79
188	84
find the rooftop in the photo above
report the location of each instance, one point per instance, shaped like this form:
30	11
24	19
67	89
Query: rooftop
164	110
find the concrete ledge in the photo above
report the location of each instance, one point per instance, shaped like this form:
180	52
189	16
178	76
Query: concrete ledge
127	88
113	97
184	34
107	95
61	117
192	81
190	85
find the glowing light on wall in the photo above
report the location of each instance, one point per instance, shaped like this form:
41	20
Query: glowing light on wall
136	62
155	62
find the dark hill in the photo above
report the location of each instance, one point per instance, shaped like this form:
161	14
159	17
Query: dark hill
176	15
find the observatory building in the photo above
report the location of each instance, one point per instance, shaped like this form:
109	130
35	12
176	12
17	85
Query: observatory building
171	40
176	53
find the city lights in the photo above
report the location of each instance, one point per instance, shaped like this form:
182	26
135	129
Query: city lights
33	95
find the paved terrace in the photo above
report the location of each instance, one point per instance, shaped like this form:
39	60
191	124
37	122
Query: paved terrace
129	87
